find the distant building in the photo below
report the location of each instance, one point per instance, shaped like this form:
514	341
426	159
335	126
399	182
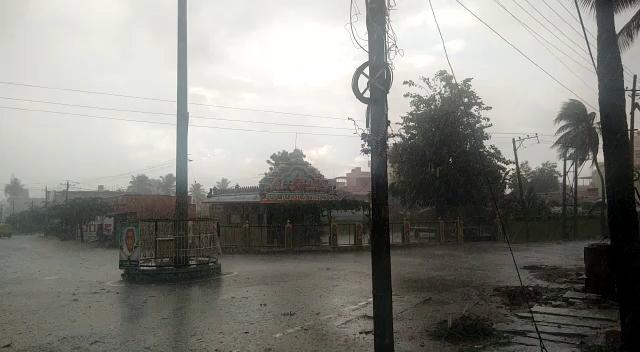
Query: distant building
358	182
59	197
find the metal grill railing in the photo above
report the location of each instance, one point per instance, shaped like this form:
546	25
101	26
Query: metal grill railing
160	244
170	242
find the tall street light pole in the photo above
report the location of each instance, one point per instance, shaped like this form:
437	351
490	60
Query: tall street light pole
380	247
182	132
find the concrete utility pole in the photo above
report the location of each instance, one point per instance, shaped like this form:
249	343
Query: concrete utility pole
182	132
380	247
564	195
523	204
575	197
632	121
66	193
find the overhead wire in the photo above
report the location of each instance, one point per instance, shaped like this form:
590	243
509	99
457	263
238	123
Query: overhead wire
355	38
168	114
539	38
593	36
62	113
527	57
586	39
563	33
171	101
444	46
578	52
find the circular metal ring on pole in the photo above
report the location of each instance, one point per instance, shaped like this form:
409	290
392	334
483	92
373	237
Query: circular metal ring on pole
359	72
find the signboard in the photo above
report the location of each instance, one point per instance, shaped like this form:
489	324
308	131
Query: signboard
291	196
129	243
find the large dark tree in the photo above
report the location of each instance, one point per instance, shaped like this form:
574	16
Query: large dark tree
622	215
167	185
78	212
441	158
544	178
141	184
15	189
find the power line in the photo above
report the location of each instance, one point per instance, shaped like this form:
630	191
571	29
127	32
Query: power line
172	124
562	18
170	101
593	37
169	114
444	46
553	24
525	55
553	33
586	39
539	38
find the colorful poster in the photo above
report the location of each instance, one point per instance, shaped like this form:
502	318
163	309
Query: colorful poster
129	243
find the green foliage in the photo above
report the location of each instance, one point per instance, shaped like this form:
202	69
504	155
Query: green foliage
284	161
441	158
542	179
167	185
223	183
197	193
140	184
577	135
76	213
15	189
629	31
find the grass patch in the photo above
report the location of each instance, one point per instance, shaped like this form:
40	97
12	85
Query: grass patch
555	274
516	297
465	329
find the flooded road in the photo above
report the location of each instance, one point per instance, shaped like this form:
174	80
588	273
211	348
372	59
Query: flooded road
64	296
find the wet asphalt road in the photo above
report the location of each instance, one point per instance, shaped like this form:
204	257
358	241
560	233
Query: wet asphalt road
64	296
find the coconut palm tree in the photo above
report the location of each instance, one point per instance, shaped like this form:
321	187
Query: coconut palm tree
197	193
167	184
579	140
629	32
622	215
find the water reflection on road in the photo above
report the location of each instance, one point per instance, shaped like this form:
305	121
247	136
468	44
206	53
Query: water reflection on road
60	296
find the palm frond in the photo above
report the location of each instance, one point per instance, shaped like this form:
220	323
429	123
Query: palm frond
629	32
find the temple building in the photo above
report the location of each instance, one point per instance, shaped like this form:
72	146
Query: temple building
292	191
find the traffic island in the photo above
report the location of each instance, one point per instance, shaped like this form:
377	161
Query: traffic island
150	250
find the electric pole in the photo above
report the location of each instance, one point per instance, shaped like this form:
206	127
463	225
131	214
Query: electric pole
523	204
575	196
378	83
182	132
564	195
632	129
66	193
46	210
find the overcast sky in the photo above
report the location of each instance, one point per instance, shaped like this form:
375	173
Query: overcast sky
283	55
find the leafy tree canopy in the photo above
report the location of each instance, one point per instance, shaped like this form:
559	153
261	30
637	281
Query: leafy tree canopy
15	189
197	192
223	183
141	184
283	161
167	184
542	179
441	158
